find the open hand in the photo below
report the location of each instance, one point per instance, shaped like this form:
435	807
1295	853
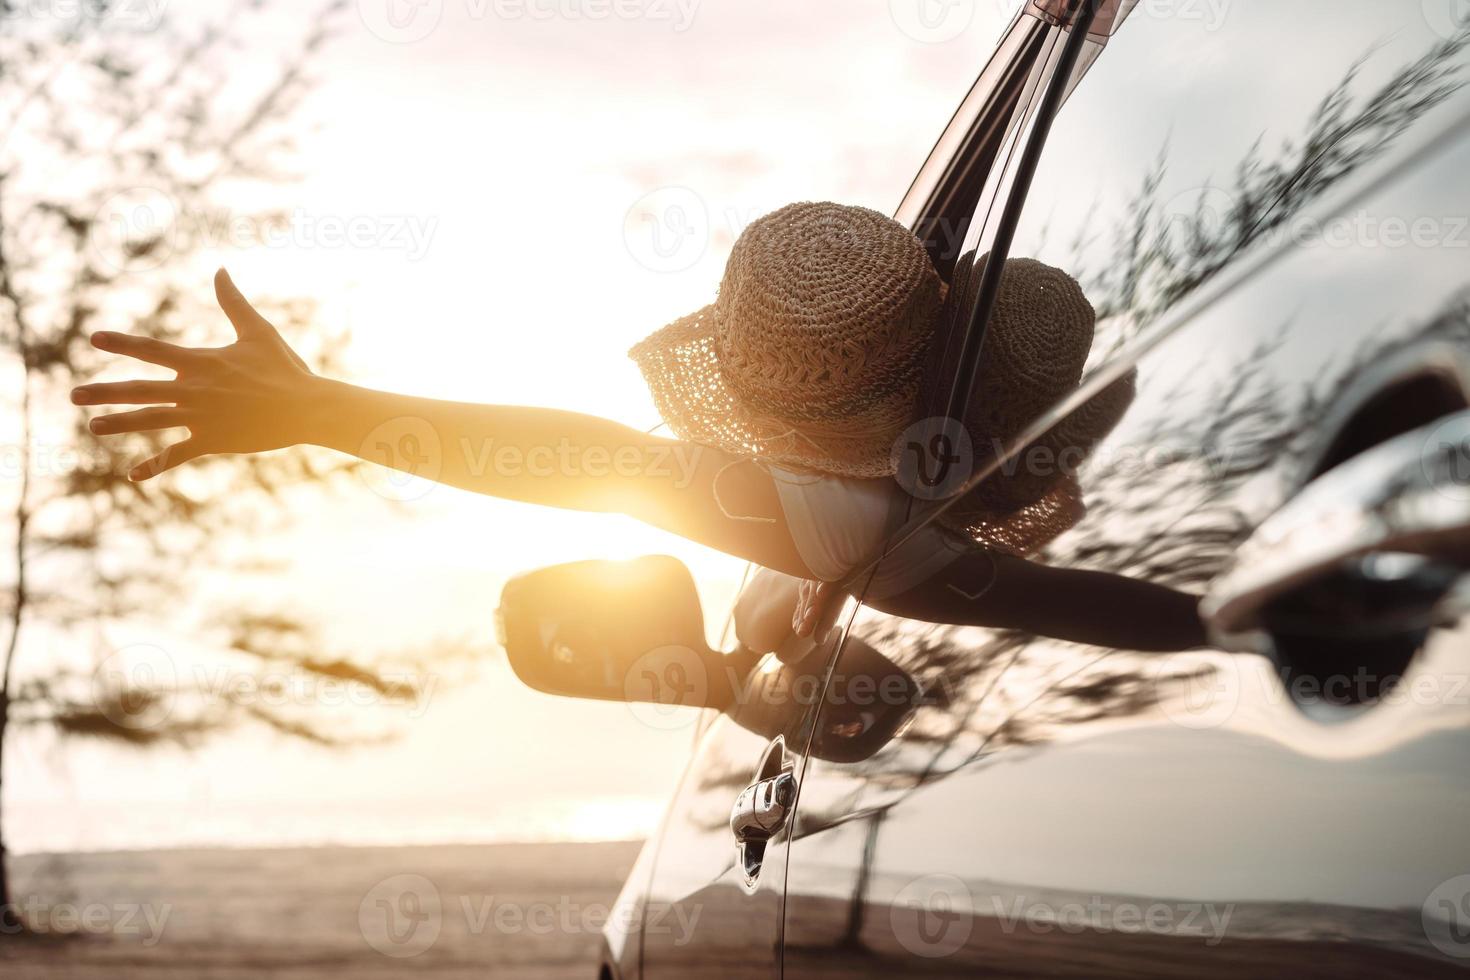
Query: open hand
248	397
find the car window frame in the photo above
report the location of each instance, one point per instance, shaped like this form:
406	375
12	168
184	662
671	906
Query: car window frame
1028	122
949	186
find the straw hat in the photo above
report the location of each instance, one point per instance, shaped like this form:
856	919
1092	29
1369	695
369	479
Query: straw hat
1036	347
812	356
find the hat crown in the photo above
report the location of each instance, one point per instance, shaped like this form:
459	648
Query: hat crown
822	302
1036	346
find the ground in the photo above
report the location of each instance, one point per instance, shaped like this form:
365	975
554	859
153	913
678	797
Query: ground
529	911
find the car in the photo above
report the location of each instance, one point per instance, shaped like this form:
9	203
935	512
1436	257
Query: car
1266	205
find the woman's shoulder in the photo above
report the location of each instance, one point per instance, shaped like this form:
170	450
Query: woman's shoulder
839	522
836	522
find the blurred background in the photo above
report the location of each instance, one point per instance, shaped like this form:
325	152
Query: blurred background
485	200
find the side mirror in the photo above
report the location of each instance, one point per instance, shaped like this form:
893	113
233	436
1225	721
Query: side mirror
612	631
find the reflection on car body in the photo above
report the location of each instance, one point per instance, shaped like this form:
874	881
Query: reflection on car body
1239	205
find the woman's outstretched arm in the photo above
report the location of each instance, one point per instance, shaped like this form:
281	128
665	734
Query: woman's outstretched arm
256	395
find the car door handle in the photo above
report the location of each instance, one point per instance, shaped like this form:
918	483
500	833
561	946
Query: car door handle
1394	509
761	810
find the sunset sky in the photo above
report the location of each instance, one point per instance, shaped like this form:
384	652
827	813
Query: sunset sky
536	188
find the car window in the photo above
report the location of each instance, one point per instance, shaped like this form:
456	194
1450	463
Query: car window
1203	136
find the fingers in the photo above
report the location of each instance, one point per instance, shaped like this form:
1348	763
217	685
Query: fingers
175	455
247	322
826	604
817	606
801	616
804	622
144	349
126	393
141	420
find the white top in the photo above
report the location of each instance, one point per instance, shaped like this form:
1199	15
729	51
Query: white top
838	522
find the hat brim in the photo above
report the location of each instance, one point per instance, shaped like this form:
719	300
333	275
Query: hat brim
1025	530
680	365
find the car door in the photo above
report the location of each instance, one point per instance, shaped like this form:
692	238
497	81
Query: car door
1263	203
713	907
